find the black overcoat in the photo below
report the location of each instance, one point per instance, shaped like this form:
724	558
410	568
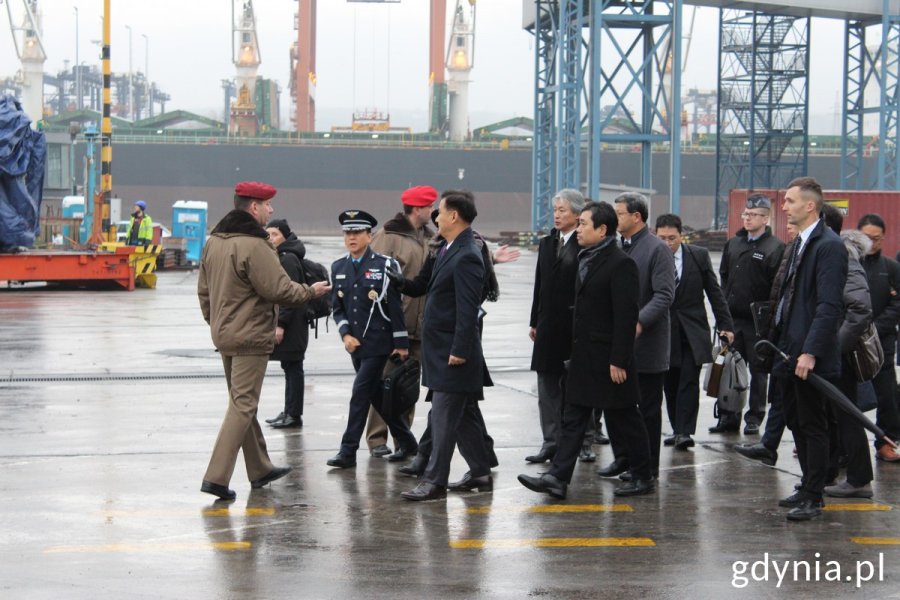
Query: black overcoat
551	307
606	314
293	346
451	319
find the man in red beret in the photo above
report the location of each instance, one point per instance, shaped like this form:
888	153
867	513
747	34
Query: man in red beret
404	238
239	285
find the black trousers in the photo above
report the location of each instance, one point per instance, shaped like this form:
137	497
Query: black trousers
294	382
426	442
452	425
775	425
848	436
806	415
626	430
651	390
886	415
682	388
744	339
367	392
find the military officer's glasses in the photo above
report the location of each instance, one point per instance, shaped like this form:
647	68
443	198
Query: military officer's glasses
752	215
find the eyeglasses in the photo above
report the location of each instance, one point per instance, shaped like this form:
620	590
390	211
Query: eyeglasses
747	215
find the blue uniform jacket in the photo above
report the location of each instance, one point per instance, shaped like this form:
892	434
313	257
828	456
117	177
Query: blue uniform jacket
351	296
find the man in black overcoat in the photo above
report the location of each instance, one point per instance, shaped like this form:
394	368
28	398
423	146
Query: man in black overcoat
808	313
691	346
551	315
602	370
452	360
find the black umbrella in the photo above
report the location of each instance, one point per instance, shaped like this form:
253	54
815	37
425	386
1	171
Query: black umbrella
832	393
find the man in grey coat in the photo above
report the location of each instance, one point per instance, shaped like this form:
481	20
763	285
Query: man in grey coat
656	269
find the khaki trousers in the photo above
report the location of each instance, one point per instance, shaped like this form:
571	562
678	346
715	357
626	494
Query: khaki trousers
240	430
377	429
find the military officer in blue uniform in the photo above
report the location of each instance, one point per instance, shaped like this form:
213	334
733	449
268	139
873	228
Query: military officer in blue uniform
369	317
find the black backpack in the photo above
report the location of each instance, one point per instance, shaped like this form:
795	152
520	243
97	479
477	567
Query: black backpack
319	308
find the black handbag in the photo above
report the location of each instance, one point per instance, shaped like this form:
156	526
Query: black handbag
867	356
400	388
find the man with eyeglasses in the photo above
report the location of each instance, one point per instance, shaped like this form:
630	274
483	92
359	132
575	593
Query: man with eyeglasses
884	288
750	262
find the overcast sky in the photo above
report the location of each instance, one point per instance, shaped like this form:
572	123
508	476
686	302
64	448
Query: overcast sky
368	55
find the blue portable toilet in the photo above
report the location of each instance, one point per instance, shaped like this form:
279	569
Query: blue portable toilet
73	208
189	222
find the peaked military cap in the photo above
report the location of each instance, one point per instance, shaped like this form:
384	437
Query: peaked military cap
356	220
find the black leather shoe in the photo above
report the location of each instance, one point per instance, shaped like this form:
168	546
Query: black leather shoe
793	501
276	473
670	441
684	442
635	487
485	483
379	451
402	454
726	426
342	461
757	452
543	456
275	419
806	510
587	454
425	491
616	467
416	467
626	476
751	429
288	422
545	484
217	490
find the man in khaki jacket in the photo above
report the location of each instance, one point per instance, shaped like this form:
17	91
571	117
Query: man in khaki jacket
240	283
404	238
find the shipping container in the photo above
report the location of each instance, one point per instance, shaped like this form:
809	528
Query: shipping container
853	203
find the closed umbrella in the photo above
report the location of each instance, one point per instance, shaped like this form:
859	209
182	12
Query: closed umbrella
833	394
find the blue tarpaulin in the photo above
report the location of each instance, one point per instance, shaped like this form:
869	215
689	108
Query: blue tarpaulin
23	153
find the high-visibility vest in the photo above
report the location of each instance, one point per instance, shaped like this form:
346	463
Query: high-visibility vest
145	232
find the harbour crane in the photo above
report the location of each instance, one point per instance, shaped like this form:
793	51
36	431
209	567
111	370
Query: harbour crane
246	57
31	53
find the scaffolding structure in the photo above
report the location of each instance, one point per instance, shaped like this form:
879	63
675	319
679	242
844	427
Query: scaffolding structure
871	71
763	107
615	54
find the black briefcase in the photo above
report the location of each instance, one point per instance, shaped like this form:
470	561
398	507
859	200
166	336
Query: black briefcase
400	388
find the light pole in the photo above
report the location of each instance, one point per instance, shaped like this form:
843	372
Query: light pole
130	77
148	96
78	102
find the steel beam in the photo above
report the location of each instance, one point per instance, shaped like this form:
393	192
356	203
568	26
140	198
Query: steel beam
544	154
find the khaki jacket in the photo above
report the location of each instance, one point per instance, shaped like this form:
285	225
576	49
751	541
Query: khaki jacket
240	283
409	247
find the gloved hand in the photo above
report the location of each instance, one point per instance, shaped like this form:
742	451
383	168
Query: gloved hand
396	277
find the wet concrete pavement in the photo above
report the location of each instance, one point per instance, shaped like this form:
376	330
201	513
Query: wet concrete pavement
110	403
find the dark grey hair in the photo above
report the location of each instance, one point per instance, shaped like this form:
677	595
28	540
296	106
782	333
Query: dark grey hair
573	197
635	203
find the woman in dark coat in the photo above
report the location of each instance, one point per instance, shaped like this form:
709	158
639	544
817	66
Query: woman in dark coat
292	333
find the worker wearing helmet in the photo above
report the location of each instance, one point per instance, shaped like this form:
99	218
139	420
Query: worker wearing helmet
140	228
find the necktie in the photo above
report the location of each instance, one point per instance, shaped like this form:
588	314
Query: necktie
626	243
443	251
677	278
560	246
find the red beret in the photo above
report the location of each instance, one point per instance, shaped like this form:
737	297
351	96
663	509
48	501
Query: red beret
255	189
421	195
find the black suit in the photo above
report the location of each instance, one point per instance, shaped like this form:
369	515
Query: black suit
551	317
605	317
808	317
691	345
450	328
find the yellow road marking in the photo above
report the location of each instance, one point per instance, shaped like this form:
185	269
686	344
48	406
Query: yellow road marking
554	508
162	547
209	512
857	507
553	543
876	541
